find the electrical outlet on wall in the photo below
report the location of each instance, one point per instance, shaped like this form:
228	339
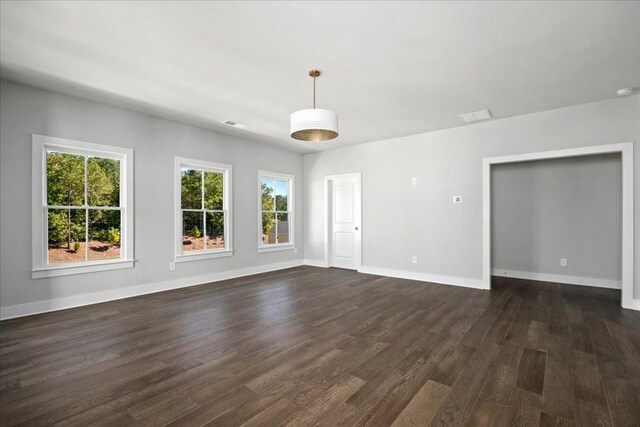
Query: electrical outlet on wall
414	181
414	259
457	199
172	266
563	262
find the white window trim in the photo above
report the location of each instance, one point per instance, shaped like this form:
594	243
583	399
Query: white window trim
275	247
40	267
227	171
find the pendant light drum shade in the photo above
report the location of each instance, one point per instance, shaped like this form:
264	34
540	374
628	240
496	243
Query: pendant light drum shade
314	124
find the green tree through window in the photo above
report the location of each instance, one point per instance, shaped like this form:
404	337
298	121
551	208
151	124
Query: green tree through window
275	209
83	207
203	209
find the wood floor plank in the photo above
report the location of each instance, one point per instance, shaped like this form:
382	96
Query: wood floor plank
499	329
459	403
557	396
548	420
389	399
163	411
531	370
335	396
588	414
579	333
489	413
332	347
251	407
450	363
424	405
273	415
525	409
500	383
622	402
206	413
587	384
537	336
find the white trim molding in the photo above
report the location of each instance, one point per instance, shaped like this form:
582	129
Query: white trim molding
277	248
291	214
39	206
316	263
56	304
89	267
423	277
327	217
227	209
558	278
629	300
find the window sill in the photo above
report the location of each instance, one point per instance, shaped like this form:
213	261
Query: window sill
67	270
203	255
276	248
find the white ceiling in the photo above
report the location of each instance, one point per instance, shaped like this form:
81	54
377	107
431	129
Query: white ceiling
389	68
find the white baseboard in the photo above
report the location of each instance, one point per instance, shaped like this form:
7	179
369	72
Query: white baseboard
558	278
631	304
424	277
315	263
55	304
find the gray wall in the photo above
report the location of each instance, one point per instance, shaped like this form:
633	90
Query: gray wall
400	220
26	110
562	208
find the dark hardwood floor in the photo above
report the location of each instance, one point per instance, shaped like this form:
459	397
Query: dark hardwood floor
324	346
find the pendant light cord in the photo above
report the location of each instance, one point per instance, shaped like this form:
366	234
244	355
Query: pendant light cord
314	92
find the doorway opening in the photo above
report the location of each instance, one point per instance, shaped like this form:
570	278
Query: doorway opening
343	229
625	151
558	220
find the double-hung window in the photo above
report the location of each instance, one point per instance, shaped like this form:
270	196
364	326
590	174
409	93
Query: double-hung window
82	207
203	210
276	211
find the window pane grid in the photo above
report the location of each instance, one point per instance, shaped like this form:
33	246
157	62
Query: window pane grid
69	229
284	212
199	239
86	218
104	208
201	210
275	210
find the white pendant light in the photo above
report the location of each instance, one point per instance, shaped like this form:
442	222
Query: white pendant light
314	124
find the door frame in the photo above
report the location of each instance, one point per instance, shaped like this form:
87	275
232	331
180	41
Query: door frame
328	216
626	151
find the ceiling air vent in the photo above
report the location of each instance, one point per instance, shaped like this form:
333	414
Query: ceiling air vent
476	116
235	124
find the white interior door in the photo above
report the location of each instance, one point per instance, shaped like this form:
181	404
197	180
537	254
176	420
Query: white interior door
344	213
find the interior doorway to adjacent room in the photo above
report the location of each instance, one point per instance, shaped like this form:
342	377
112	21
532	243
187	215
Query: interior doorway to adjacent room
343	229
558	220
625	150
